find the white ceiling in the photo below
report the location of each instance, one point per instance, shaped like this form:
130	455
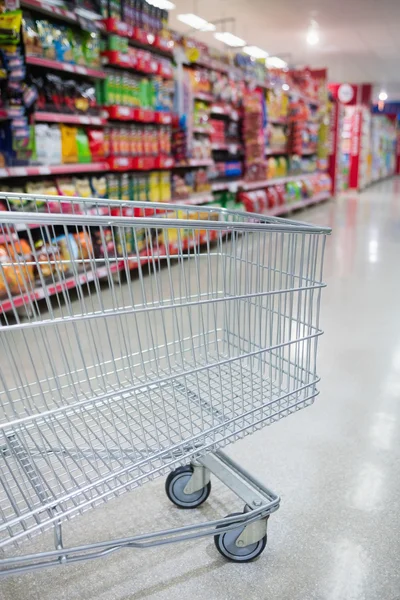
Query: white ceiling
360	41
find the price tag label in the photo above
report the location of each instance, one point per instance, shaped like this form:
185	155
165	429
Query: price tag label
233	187
68	67
123	27
81	70
19	171
122	162
44	171
124	111
3	173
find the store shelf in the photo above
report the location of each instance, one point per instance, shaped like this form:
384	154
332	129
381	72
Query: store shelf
139	36
232	186
55	288
158	253
194	162
231	148
53	170
142	163
226	111
50	10
275	151
285	208
258	185
309	151
114	58
46	63
204	96
195	199
202	131
127	113
50	117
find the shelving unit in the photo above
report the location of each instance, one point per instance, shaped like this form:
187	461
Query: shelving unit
34	171
55	65
130	114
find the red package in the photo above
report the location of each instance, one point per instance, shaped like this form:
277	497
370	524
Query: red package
96	144
273	198
280	189
262	201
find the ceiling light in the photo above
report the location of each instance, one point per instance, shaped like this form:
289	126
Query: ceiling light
274	62
229	39
255	52
313	33
285	87
162	4
383	96
196	22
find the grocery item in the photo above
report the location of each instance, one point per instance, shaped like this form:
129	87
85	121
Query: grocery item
69	144
15	271
82	145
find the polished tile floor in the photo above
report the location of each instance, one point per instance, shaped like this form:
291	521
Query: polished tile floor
336	464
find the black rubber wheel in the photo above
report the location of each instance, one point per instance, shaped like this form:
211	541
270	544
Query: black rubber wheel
176	483
225	544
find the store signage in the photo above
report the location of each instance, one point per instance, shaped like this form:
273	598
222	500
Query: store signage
356	134
345	93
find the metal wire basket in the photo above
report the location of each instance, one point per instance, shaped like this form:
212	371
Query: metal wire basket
133	344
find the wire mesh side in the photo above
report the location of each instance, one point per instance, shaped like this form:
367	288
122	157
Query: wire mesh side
107	385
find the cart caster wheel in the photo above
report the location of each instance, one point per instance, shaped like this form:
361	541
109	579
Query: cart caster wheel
175	485
225	544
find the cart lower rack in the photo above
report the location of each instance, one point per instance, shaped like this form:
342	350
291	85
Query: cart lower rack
119	380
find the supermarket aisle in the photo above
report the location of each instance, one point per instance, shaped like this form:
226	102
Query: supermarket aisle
336	536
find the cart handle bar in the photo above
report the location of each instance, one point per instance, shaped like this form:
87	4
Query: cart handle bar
151	222
113	203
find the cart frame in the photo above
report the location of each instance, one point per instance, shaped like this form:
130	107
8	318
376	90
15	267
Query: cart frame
249	529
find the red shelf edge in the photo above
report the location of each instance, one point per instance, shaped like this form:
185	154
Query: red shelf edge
31	171
50	117
67	67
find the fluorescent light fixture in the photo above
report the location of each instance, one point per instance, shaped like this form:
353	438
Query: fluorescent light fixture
274	62
255	52
383	96
313	33
229	39
163	4
285	87
196	22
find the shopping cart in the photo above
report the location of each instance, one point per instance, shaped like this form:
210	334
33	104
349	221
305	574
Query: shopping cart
138	342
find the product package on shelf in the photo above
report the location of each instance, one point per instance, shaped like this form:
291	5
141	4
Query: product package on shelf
253	137
192	182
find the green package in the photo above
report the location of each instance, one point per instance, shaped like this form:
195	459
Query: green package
76	42
112	186
91	49
82	144
124	187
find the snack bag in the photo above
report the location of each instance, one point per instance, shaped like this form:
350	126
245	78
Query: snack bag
48	260
82	186
99	187
82	144
19	274
84	245
69	144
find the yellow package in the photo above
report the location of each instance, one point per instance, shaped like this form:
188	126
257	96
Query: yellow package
154	187
83	188
66	187
165	186
69	146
